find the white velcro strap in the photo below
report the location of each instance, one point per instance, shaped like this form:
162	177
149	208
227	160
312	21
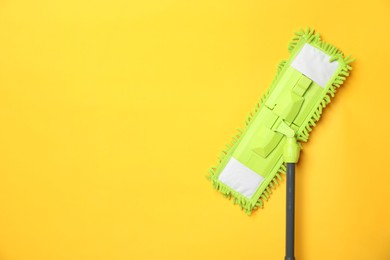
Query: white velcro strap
314	64
240	178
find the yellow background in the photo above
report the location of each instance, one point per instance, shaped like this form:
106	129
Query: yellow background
111	113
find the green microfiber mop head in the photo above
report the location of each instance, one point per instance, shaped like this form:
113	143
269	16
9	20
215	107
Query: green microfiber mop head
304	84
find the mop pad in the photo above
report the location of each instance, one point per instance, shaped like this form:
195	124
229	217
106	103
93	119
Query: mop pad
252	164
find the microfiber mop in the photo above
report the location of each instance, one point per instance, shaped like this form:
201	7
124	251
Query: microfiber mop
269	146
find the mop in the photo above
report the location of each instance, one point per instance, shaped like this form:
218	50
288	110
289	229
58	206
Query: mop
251	166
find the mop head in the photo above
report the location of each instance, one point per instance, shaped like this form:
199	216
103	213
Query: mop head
252	164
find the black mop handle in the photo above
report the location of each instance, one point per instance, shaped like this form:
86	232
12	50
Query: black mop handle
290	205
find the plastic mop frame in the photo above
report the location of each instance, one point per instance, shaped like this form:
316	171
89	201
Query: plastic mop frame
269	146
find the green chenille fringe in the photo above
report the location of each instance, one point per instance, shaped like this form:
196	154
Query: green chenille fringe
313	38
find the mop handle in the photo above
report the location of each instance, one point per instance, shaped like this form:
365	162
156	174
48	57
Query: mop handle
290	210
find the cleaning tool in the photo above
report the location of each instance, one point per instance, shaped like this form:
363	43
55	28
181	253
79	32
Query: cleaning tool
269	146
